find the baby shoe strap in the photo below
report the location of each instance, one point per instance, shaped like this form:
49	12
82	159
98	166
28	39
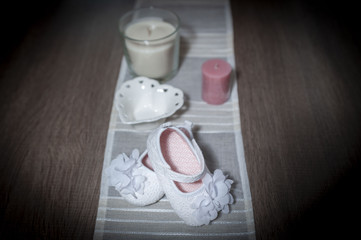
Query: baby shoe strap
183	178
179	177
187	125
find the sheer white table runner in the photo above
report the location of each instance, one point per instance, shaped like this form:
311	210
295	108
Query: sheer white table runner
206	32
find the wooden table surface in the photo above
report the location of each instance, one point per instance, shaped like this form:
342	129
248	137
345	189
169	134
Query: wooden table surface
298	67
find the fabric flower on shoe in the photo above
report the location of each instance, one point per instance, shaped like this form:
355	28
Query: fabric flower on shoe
123	174
216	198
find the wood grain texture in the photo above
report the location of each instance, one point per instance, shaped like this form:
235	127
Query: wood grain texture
299	87
56	97
298	67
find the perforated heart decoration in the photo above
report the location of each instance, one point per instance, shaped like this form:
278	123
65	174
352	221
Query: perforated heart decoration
144	100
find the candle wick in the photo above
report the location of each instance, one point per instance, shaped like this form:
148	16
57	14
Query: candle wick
149	31
216	66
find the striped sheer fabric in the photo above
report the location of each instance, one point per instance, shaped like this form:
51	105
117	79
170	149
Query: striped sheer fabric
206	32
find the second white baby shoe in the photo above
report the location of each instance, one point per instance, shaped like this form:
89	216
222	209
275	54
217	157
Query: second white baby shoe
195	194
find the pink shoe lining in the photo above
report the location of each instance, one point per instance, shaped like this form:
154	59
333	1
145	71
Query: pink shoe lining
180	158
146	162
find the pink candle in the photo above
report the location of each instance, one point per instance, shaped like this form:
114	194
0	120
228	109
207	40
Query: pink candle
216	81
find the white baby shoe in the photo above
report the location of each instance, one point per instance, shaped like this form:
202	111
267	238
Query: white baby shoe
196	195
133	177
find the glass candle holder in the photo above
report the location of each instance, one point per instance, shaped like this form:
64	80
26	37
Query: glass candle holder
150	39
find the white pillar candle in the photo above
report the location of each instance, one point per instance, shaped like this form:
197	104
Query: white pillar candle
151	44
